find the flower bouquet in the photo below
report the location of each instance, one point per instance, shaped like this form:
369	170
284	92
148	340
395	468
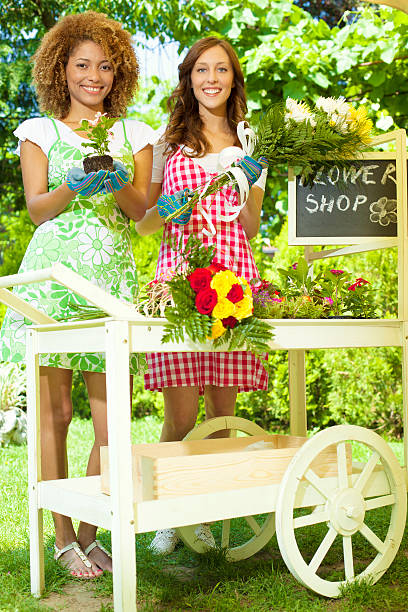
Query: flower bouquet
212	303
307	138
99	132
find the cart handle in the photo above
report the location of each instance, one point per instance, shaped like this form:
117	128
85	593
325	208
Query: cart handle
72	281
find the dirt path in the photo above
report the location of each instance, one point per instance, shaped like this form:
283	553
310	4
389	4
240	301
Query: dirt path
76	597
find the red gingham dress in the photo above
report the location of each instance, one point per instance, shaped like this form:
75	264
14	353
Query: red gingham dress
240	368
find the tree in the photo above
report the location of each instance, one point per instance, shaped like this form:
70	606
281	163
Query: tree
284	51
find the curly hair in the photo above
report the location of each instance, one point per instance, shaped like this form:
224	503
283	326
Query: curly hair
51	58
185	125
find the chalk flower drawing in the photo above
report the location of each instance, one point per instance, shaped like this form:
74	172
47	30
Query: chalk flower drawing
384	211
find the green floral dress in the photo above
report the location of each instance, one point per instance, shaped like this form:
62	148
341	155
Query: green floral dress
91	236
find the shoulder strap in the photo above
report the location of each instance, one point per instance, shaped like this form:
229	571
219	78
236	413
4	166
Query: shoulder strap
56	129
124	133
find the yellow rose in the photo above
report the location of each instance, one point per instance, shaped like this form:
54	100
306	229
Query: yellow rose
223	309
222	282
217	329
243	308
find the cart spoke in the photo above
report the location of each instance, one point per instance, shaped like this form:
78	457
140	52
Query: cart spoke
311	519
253	524
317	483
373	539
323	549
342	466
367	471
348	557
379	502
225	536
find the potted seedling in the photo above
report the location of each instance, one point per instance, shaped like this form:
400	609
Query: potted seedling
99	132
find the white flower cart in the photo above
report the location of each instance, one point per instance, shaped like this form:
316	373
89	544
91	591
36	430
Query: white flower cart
301	483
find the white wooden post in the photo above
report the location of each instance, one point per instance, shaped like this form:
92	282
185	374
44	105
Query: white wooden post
34	464
120	466
297	392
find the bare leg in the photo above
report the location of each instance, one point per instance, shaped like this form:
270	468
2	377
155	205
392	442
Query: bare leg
180	412
220	401
96	387
56	415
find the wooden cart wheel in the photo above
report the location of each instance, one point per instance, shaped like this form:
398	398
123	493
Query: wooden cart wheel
367	509
228	535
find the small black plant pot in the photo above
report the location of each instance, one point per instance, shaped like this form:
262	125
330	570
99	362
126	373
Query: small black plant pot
98	162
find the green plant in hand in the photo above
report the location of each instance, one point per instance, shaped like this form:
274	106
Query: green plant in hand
99	132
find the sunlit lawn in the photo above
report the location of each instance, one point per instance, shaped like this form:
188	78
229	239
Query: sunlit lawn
182	581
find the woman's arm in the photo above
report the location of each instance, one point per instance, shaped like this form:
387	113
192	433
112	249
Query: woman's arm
152	221
250	216
133	197
42	204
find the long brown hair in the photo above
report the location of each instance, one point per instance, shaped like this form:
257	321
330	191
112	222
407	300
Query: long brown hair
185	125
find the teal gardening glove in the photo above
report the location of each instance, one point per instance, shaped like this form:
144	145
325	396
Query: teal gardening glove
116	179
86	184
252	168
168	204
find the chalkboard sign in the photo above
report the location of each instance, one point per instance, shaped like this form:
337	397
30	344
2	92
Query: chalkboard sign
353	203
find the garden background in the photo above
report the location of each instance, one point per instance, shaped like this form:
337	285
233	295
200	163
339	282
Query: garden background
302	49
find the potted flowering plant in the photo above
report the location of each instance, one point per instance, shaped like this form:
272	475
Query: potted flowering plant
350	299
331	293
98	131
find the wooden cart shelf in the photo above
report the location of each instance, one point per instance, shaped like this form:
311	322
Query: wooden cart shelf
294	334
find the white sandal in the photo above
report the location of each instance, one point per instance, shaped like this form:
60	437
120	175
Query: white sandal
97	544
80	553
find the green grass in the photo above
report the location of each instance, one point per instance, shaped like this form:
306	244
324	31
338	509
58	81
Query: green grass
186	581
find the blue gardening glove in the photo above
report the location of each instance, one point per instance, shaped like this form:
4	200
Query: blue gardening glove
168	204
117	179
252	168
86	184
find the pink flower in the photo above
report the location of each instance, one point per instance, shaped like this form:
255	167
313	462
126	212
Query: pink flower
98	116
337	272
328	300
294	266
359	282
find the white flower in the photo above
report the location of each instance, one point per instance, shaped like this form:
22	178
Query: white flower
96	245
95	121
298	111
338	112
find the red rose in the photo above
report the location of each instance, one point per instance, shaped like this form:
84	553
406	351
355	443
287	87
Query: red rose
229	322
215	267
205	301
200	279
235	294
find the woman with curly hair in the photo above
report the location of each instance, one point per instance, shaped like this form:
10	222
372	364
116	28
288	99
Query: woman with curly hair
206	107
85	65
